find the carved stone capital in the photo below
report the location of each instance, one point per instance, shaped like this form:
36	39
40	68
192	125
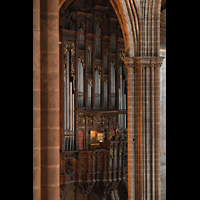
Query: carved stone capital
142	62
128	61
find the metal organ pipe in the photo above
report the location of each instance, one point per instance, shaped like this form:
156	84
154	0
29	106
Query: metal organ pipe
70	114
80	84
68	107
64	101
67	90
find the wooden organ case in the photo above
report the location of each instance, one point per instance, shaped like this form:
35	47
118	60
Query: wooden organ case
93	144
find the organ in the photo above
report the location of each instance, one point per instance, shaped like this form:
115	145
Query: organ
93	142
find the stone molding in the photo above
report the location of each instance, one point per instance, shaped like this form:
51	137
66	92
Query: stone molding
142	62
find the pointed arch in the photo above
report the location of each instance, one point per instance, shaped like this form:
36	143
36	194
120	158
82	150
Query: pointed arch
128	16
61	2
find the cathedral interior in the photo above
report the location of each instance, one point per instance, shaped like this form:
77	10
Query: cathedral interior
99	99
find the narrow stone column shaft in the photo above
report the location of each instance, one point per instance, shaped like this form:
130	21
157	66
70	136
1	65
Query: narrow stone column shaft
50	168
131	133
36	102
157	123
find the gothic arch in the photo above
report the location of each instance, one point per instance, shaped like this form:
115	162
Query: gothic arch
128	17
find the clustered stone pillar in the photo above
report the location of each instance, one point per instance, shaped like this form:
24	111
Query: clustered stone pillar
46	162
143	127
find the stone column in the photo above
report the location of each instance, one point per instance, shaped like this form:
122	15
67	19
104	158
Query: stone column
157	66
50	168
143	127
130	127
36	102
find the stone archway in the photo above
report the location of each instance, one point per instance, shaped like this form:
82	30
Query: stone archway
139	21
129	22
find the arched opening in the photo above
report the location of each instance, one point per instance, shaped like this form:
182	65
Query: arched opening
97	44
129	22
91	51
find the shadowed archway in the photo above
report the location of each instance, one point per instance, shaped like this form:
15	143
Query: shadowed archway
128	17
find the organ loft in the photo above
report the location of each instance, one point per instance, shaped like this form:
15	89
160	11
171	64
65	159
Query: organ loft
99	66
